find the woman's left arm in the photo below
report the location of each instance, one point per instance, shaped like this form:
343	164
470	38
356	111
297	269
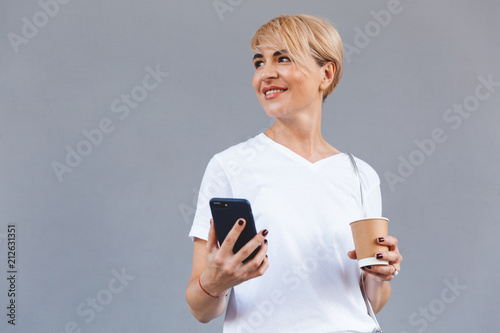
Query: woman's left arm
377	277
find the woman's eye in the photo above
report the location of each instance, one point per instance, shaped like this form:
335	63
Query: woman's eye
284	59
257	64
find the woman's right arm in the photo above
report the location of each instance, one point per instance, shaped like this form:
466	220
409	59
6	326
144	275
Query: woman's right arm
202	306
219	269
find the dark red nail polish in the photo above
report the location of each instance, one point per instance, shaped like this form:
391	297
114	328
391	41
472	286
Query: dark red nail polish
379	256
240	222
265	241
264	232
369	267
381	239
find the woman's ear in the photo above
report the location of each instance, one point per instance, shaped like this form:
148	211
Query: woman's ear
328	72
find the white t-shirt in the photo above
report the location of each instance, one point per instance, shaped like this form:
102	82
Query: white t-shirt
311	285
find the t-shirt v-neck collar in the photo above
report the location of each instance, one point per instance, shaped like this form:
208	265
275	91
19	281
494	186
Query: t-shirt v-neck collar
293	155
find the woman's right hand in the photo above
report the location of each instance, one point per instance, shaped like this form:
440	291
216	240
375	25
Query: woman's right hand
225	269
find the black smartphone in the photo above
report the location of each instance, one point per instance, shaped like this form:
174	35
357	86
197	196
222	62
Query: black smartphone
226	212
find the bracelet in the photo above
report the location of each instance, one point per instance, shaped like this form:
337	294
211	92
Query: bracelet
206	292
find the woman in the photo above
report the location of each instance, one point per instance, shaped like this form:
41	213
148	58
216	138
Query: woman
303	193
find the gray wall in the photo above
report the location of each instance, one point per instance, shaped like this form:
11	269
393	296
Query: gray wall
124	205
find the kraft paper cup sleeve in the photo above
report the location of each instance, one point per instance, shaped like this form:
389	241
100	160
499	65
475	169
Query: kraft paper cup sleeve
365	233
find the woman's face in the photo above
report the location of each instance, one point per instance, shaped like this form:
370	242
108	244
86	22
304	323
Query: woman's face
284	91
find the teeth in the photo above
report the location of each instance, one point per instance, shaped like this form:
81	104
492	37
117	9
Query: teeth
273	91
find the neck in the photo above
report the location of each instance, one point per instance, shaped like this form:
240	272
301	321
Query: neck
302	135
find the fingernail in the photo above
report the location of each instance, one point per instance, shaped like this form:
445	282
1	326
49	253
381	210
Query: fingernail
363	268
381	239
264	232
369	267
240	222
265	241
379	256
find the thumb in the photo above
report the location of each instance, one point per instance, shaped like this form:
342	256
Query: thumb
352	254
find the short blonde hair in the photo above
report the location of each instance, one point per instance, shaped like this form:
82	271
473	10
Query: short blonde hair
302	36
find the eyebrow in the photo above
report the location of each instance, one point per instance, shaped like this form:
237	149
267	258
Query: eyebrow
277	53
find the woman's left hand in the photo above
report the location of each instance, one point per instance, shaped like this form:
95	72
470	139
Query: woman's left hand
384	272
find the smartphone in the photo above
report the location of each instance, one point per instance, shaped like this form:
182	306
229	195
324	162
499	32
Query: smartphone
226	212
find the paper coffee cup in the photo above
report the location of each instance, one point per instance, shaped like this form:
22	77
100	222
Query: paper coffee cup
365	233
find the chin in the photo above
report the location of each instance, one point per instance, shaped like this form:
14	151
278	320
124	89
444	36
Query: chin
281	109
275	113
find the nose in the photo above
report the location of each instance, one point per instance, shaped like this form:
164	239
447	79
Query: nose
268	72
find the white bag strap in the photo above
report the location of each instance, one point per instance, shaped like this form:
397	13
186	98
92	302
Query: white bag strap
356	172
367	301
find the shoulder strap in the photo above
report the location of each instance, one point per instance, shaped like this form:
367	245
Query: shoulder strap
367	301
356	172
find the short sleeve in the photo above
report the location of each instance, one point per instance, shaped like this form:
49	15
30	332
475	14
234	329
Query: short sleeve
373	202
370	182
215	184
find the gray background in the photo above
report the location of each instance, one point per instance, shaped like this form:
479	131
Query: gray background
128	205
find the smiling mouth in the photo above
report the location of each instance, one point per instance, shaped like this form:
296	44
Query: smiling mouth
274	91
